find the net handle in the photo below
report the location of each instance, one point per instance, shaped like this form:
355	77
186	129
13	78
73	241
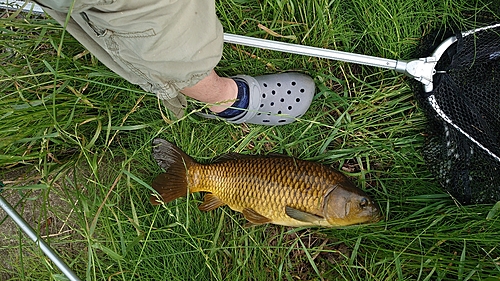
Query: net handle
422	69
315	52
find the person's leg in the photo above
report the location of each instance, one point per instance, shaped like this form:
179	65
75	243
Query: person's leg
220	92
168	47
161	45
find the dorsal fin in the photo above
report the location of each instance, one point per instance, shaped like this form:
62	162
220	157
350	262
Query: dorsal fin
236	156
229	157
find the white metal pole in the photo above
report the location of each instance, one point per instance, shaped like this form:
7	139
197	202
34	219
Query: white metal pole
399	66
33	236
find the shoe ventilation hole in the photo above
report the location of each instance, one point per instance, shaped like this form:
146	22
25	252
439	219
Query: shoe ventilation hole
272	104
265	85
297	99
282	120
278	84
279	112
266	121
273	92
282	100
259	114
302	90
261	105
289	107
289	92
294	83
263	96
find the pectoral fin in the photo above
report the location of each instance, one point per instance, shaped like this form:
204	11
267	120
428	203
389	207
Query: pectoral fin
210	202
255	218
302	216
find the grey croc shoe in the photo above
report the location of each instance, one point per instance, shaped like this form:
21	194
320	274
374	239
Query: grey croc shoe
274	99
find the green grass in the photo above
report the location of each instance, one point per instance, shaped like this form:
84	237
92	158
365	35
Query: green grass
71	129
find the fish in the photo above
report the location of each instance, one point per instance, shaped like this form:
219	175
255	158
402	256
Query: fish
275	189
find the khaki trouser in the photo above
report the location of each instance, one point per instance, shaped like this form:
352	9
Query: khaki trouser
161	45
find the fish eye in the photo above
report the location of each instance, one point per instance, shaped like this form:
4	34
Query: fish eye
363	203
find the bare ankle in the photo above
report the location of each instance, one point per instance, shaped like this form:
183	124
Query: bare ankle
219	91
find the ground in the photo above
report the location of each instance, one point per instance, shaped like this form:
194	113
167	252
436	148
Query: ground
48	213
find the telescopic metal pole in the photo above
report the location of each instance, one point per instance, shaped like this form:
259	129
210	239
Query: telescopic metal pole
396	65
12	213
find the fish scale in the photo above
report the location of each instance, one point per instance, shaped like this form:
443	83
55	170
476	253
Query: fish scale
269	199
274	189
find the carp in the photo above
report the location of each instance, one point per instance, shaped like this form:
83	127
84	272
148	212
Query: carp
266	189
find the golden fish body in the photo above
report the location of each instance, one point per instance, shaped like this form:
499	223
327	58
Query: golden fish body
280	190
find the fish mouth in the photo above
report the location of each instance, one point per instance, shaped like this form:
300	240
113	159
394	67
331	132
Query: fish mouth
376	213
377	216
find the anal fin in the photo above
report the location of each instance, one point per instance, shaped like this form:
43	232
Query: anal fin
210	202
302	216
255	218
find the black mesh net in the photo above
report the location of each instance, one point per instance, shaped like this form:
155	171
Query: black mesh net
462	147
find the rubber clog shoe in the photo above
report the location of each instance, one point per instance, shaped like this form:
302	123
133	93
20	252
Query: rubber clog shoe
275	99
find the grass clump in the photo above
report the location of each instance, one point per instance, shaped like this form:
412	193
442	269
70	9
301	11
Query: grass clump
75	139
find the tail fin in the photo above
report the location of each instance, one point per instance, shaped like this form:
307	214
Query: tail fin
173	183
